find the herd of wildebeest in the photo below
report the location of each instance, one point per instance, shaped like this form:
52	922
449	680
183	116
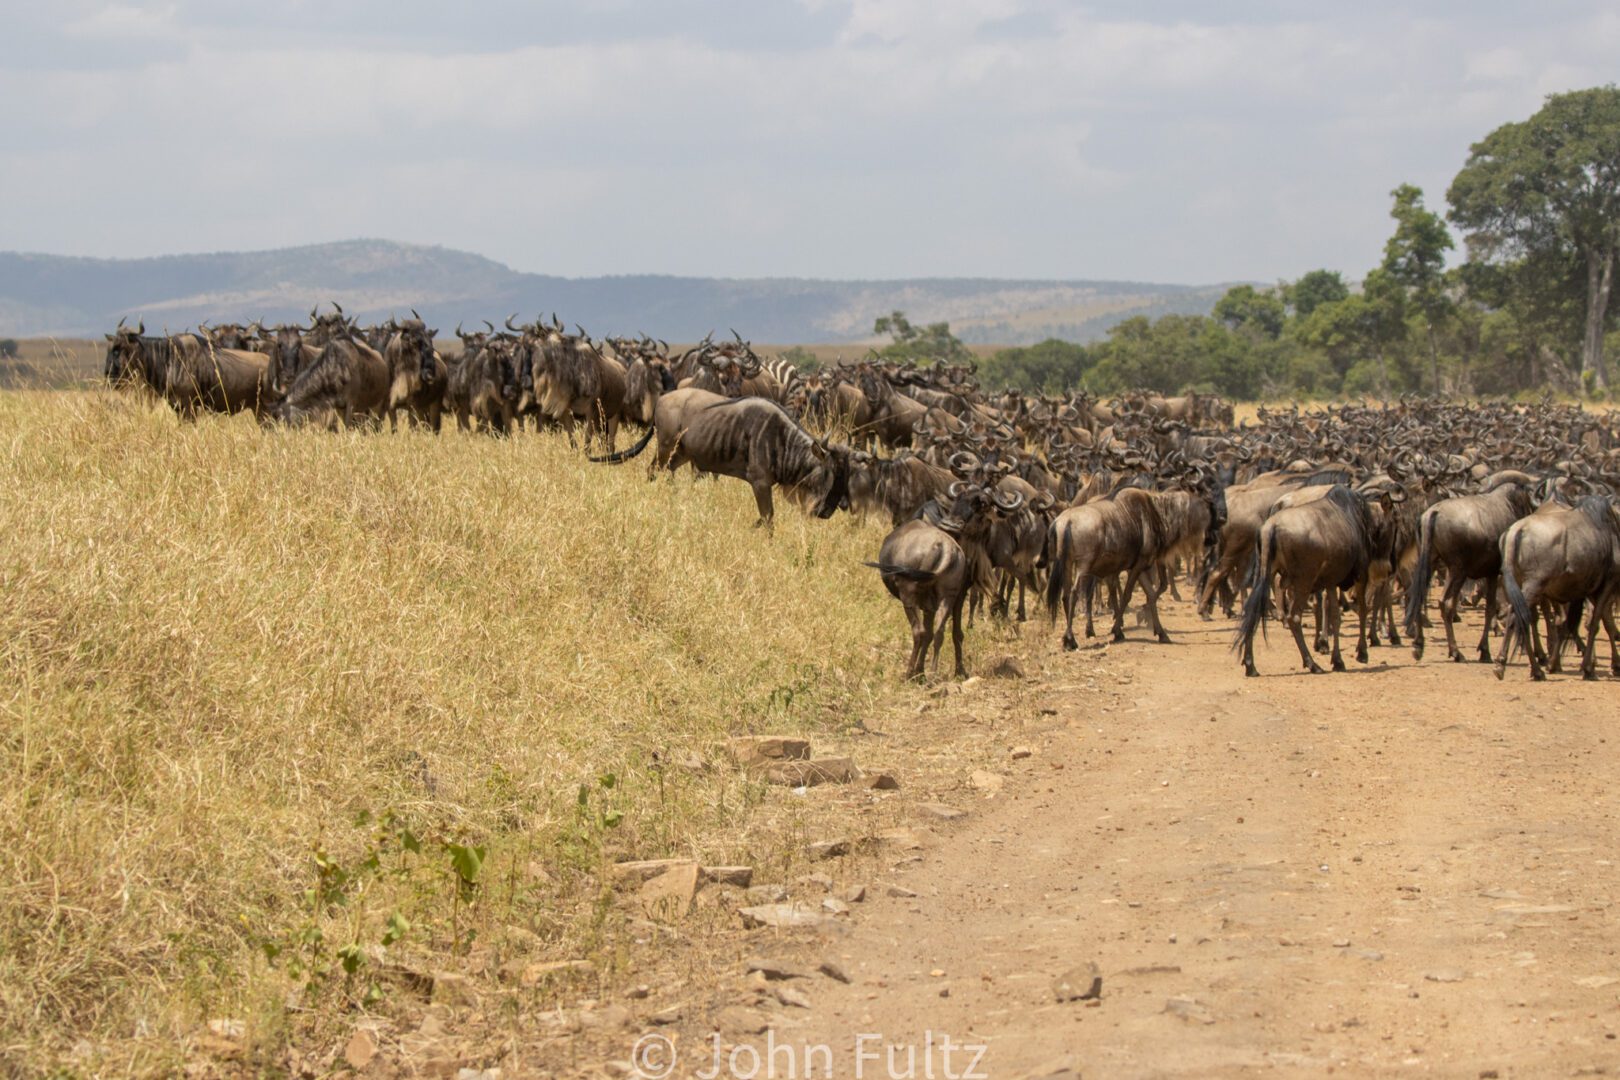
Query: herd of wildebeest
1299	512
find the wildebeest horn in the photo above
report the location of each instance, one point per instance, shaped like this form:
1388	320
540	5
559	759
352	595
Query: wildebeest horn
509	325
141	329
556	322
416	316
1011	505
337	307
961	462
956	488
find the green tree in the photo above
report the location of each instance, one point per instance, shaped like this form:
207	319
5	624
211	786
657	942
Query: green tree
1360	331
1313	290
1547	185
923	344
1243	305
1415	262
1053	366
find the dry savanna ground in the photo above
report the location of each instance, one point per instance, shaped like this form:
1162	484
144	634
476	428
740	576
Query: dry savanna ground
322	752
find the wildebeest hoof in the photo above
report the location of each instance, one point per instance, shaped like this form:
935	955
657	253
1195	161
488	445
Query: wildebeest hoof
1361	658
1500	672
1164	638
1118	635
1070	645
1251	672
1338	662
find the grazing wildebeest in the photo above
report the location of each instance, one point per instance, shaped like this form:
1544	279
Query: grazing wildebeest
1123	533
1464	535
1324	545
348	382
217	380
925	567
417	375
897	486
1559	559
749	438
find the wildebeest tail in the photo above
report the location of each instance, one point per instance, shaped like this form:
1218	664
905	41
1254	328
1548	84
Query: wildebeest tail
1417	597
909	573
628	452
1060	570
1254	608
1522	615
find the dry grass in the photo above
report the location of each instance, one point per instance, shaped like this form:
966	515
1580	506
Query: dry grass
224	651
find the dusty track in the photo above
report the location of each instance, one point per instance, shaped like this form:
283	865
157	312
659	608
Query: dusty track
1406	869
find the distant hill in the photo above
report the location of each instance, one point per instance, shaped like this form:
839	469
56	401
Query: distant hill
52	295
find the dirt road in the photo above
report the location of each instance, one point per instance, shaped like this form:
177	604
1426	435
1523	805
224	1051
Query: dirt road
1405	869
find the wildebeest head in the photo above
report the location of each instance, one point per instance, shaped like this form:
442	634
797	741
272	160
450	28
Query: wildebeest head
834	469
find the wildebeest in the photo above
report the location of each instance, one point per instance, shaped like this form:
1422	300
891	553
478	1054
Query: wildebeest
926	564
482	386
348	382
188	372
1561	559
749	438
137	361
1324	545
1121	534
1464	535
417	375
571	380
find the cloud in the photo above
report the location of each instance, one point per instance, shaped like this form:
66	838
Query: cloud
851	138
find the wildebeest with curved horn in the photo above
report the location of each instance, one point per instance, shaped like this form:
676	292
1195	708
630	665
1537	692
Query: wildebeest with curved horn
751	439
1121	534
417	374
925	567
1561	558
348	382
1464	535
1324	545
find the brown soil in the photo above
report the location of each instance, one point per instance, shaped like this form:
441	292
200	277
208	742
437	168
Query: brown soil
1407	868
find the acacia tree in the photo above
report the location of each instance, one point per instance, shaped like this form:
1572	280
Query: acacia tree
1415	260
1547	186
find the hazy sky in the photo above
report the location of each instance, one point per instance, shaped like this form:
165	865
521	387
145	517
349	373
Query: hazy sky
1177	142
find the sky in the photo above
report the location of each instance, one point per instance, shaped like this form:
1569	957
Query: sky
1171	142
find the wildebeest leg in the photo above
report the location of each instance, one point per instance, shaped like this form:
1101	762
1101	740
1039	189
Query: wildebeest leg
1071	597
930	612
1555	638
762	499
1448	615
1320	642
1294	615
1490	612
956	634
1364	617
1333	604
1388	600
1151	596
919	639
1171	572
1589	653
1089	584
1614	638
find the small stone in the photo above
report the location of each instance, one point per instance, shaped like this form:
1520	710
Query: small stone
736	1020
855	894
638	871
782	916
668	897
773	970
900	892
937	973
639	993
751	751
1189	1009
739	876
478	1074
882	782
820	881
988	782
940	811
1596	982
1019	753
834	770
834	906
1079	984
608	1018
1444	975
904	839
767	894
787	995
454	990
665	1017
831	969
1341	943
361	1048
827	849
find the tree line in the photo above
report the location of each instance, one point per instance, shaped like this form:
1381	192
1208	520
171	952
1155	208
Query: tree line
1526	309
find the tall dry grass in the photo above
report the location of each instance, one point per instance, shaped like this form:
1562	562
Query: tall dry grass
227	655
